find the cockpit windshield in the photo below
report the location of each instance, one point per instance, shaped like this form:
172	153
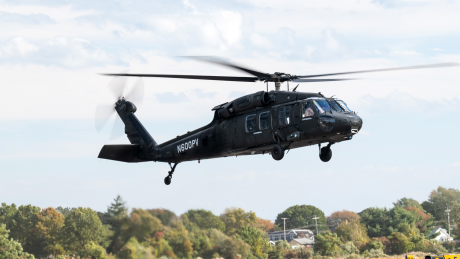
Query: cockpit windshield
343	105
336	106
322	105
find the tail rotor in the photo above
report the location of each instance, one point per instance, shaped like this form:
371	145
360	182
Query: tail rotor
119	88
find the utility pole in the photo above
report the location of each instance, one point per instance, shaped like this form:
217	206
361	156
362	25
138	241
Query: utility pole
448	218
284	228
316	223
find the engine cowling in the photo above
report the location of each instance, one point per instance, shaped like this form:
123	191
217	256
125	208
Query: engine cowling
244	103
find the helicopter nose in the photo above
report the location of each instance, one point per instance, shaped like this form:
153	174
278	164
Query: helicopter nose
356	124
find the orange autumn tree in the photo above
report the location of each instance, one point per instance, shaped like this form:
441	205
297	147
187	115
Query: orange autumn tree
342	216
46	232
265	225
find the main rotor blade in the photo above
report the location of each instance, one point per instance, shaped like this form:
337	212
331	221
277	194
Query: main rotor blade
452	64
228	64
218	78
319	80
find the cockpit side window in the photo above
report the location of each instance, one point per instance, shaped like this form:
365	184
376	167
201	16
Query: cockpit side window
343	105
307	111
322	105
336	106
251	123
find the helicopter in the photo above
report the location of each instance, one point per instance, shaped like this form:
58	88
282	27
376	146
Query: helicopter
265	122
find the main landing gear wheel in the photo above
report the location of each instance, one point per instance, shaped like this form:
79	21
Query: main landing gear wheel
170	173
325	153
277	152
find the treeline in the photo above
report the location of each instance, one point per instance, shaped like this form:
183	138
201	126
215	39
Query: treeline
375	232
30	232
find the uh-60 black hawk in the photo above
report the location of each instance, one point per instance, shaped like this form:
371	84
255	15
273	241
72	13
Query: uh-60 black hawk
265	122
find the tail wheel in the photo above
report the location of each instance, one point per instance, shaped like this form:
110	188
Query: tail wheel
168	180
326	154
277	152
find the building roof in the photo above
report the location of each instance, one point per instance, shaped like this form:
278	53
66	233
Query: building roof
304	241
293	230
443	231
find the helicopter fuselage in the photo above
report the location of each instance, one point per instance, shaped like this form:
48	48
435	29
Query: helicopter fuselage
249	125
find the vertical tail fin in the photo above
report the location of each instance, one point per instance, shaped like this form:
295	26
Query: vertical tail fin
134	129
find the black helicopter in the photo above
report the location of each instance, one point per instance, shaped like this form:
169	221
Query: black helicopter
259	123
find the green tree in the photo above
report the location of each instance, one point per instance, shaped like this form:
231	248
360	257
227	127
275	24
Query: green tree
236	218
377	221
93	250
134	250
179	240
375	243
441	199
81	227
400	244
383	222
423	221
141	225
166	217
407	202
6	214
10	249
228	247
117	209
64	211
353	231
115	216
327	244
301	215
257	239
22	224
205	219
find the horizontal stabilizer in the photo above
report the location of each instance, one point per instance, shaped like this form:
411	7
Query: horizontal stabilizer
123	153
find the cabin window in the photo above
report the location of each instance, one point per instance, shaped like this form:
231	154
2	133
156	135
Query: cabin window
251	123
307	111
264	120
288	115
281	116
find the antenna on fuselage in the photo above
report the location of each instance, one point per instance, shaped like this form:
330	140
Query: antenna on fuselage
295	88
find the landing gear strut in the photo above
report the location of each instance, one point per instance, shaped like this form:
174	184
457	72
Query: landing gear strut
325	153
170	173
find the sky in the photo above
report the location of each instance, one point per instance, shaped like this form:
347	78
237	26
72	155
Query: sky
53	52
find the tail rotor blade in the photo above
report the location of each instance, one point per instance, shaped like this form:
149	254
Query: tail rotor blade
117	87
136	92
103	114
118	129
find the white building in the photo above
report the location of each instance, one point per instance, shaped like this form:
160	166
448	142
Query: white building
292	234
443	235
